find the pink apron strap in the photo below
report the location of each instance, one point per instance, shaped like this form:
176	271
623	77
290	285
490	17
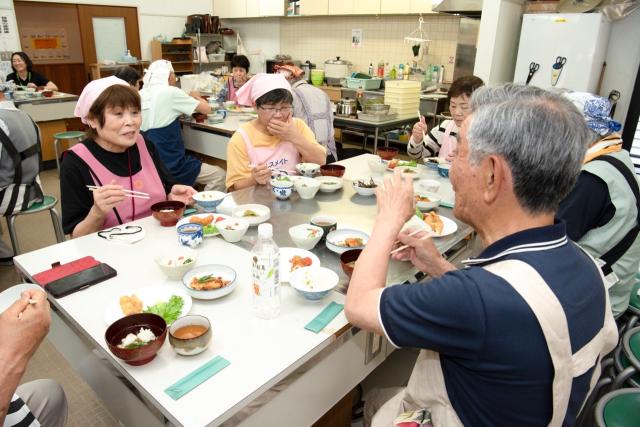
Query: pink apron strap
449	142
251	153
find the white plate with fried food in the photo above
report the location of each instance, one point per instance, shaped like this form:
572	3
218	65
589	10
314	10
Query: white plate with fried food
152	299
210	281
293	258
439	225
343	239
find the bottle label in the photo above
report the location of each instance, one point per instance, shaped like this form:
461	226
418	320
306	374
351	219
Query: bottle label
265	271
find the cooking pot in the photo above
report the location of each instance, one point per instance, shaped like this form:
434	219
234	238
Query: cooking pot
336	69
346	107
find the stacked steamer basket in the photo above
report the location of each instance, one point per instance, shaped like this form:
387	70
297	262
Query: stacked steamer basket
403	96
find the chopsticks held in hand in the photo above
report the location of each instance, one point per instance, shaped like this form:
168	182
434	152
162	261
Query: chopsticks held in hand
422	120
413	233
128	193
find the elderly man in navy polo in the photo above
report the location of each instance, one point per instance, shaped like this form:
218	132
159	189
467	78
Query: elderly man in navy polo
515	337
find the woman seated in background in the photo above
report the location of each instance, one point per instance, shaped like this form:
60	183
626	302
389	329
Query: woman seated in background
441	141
114	157
129	75
275	141
24	76
239	76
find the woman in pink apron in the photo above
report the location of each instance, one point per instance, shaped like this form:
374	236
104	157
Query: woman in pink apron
274	142
441	140
239	76
113	158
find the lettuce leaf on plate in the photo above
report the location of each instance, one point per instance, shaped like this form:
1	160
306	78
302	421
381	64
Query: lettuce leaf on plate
169	310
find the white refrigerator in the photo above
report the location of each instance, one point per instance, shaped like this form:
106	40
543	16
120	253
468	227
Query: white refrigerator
562	50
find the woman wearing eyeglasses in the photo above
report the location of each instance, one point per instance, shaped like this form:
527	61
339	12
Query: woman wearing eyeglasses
272	143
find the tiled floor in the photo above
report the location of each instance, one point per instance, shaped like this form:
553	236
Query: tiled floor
85	409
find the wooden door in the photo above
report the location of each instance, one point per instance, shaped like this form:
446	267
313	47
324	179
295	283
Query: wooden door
86	13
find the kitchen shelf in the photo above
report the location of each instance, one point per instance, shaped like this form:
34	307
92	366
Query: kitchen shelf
172	52
200	41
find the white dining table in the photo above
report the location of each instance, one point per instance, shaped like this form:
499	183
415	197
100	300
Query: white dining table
275	365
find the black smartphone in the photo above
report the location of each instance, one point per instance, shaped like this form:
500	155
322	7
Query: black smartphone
80	280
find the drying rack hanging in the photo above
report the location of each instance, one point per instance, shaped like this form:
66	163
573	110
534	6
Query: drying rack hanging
418	35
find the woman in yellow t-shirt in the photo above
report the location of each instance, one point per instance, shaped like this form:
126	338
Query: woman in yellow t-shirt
274	142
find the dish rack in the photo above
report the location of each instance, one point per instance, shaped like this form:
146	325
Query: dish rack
366	84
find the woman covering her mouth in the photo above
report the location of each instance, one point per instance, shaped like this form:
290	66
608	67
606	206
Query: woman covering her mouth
114	157
275	141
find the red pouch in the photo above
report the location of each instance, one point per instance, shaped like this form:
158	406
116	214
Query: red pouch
58	271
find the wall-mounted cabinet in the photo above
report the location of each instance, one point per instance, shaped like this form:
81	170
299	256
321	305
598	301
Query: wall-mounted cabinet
421	6
260	8
272	7
248	8
230	8
315	7
390	7
354	7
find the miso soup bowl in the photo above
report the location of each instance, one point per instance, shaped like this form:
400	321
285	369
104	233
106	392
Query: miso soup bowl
190	346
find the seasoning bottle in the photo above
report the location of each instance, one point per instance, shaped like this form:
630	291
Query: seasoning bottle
441	74
392	73
265	267
400	75
371	69
381	69
405	74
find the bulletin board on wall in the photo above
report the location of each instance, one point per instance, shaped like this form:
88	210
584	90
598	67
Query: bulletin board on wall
49	32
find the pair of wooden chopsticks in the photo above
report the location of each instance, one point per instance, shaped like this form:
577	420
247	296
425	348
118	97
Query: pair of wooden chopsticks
413	233
128	193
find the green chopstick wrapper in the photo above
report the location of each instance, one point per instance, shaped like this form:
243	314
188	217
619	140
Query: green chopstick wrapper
327	315
197	377
446	204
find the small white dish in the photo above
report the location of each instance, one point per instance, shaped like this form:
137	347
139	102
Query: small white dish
429	185
233	229
306	187
329	184
282	181
287	267
216	270
175	264
314	283
432	203
305	236
376	164
252	213
209	200
364	191
308	169
336	239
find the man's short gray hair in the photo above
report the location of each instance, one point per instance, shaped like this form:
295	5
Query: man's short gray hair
541	135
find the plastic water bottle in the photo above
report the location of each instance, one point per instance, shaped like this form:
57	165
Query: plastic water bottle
265	264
